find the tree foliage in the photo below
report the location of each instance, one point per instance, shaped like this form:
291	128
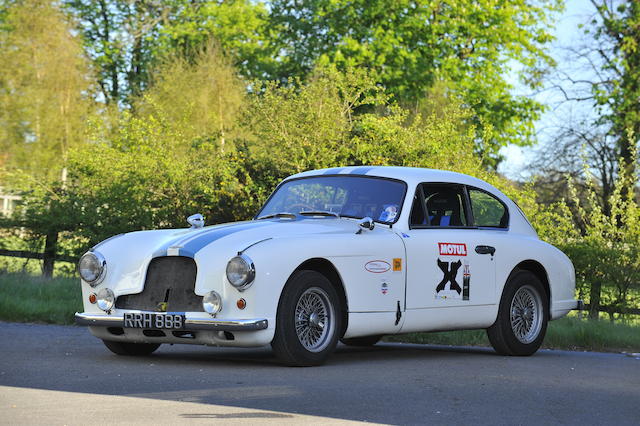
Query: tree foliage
603	245
126	39
408	47
201	99
411	45
617	33
44	83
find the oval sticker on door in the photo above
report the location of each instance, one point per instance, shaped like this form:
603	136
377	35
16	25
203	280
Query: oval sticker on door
377	266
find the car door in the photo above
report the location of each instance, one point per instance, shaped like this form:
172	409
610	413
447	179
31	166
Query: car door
450	262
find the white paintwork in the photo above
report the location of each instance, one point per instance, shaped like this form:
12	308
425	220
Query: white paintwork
279	246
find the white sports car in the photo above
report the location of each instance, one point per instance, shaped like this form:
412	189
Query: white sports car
350	254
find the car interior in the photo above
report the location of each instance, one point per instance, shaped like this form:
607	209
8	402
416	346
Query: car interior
443	204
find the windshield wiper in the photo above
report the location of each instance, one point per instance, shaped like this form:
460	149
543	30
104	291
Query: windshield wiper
319	213
278	215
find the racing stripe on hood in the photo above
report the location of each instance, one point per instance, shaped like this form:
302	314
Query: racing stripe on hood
187	235
194	245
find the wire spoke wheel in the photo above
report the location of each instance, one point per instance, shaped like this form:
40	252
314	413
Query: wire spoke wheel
526	314
314	319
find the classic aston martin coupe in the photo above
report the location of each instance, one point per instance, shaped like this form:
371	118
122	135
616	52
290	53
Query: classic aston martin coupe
349	254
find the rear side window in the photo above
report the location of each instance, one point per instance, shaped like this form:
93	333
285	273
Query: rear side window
487	210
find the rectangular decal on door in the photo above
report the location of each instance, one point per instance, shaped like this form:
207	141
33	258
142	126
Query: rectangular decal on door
452	249
450	264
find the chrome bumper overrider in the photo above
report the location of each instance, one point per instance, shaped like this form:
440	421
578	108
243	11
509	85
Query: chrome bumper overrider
99	320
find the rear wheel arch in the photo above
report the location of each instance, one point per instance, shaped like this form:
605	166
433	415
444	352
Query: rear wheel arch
326	268
538	270
535	268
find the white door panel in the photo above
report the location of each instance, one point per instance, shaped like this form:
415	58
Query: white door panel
444	269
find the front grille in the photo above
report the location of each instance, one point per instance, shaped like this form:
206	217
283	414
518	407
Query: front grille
169	280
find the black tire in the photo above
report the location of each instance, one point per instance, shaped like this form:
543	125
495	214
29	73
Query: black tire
525	334
361	341
320	332
131	349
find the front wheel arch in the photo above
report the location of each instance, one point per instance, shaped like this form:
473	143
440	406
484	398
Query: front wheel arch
328	269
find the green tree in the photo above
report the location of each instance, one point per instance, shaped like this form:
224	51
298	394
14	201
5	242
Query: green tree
201	96
617	92
412	45
44	81
241	28
126	39
119	36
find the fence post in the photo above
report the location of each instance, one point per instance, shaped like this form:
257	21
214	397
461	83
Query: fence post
49	255
594	300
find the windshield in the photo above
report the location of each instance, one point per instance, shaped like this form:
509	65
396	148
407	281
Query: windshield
347	196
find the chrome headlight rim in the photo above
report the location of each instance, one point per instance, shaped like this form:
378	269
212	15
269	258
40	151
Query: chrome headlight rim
250	272
106	299
99	258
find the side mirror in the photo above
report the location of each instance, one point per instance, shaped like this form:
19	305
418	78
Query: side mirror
367	223
196	221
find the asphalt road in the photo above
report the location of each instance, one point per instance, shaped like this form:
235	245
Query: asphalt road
62	375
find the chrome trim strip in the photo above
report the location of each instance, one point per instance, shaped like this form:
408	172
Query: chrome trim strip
189	324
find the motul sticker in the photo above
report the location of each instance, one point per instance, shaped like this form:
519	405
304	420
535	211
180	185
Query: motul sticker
452	249
377	266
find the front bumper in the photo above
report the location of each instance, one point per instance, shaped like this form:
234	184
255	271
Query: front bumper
103	320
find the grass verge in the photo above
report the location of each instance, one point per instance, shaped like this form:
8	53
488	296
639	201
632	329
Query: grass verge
570	333
25	298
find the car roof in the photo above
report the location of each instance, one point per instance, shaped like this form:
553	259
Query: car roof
411	175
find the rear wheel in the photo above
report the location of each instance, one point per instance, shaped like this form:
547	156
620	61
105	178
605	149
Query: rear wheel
131	349
361	341
522	316
308	320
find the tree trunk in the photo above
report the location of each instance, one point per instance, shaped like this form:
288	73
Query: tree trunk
594	300
49	257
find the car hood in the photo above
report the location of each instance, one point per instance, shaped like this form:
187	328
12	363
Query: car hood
239	235
128	255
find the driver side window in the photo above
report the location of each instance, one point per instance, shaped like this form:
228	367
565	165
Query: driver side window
439	205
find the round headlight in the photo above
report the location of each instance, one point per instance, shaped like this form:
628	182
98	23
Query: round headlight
92	268
106	299
241	272
212	303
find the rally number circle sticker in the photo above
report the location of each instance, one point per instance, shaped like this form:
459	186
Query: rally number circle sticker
377	266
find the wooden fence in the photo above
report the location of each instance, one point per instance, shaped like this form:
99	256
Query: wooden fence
33	255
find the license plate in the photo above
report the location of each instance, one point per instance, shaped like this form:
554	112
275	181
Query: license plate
149	320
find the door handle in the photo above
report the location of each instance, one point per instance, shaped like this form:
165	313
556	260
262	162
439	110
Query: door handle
485	250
